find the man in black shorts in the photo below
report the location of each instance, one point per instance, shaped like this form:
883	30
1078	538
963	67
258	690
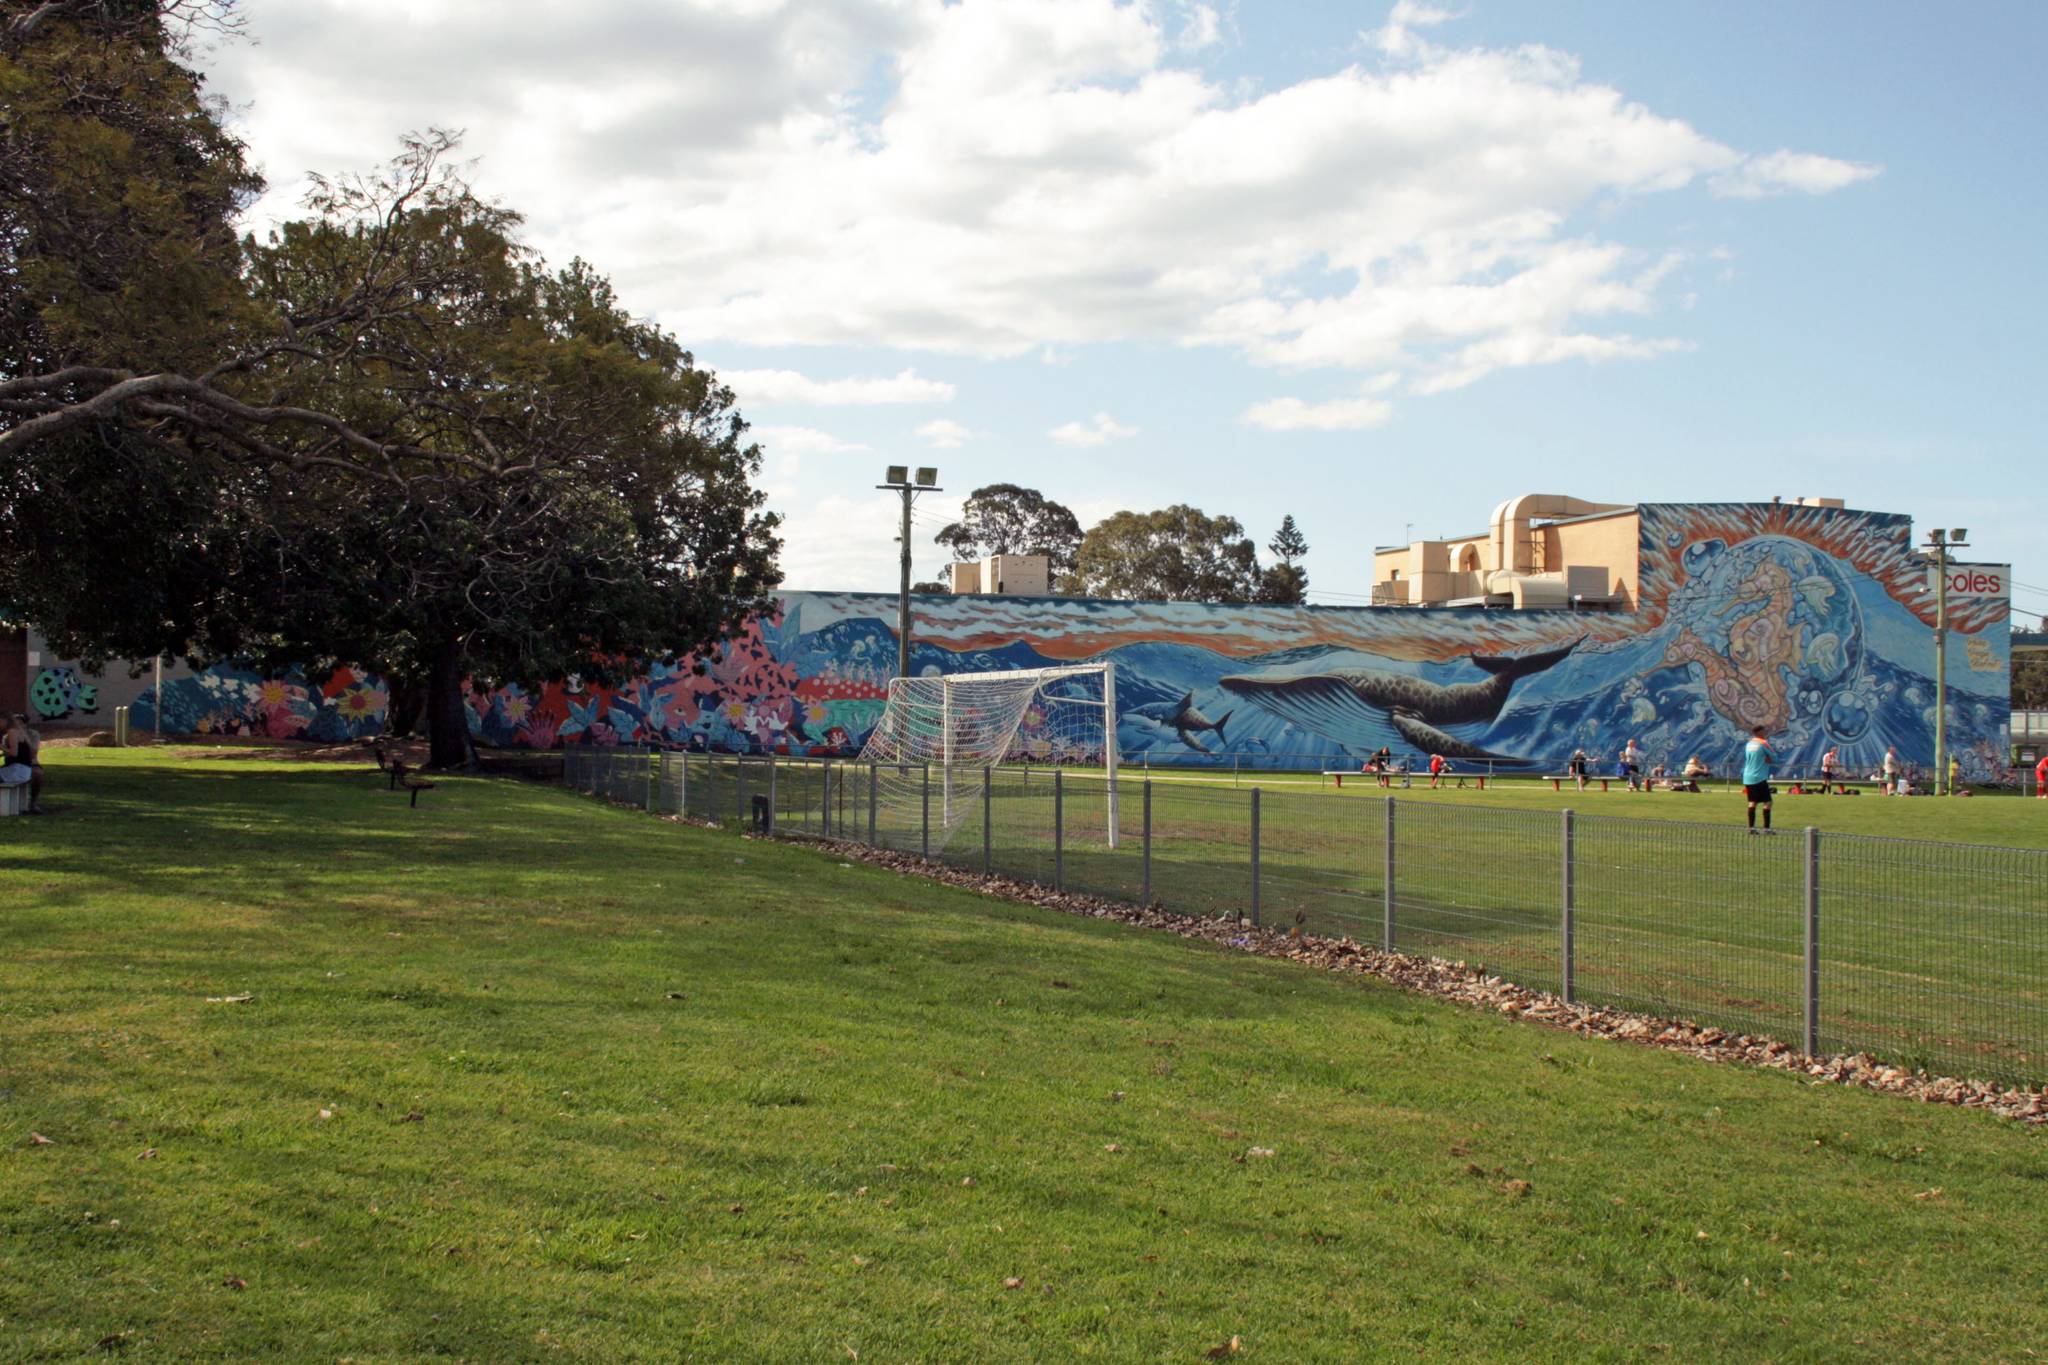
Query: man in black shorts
1757	760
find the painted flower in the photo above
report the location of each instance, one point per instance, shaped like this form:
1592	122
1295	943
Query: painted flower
516	707
362	703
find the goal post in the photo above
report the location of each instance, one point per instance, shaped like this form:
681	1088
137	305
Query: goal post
966	723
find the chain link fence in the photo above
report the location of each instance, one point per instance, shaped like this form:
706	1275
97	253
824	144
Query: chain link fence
1929	955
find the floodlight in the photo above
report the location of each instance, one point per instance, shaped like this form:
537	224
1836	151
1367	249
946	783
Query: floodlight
927	477
898	473
1959	535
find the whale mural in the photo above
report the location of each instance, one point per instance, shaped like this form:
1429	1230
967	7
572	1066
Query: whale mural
1814	622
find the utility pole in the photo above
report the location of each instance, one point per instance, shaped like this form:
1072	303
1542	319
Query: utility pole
1941	542
897	480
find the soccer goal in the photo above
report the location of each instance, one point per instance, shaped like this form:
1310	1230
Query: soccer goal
939	735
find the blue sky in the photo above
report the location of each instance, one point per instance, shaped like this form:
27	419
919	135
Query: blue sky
1370	266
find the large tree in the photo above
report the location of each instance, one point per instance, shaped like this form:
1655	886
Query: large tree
386	434
1004	519
1285	582
1177	554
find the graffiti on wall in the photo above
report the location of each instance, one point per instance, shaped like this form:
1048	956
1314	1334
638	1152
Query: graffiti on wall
1815	623
60	693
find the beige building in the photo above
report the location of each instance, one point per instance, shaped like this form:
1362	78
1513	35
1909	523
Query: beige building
1538	550
1015	575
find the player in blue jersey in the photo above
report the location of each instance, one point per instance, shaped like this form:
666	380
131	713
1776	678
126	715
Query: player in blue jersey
1757	761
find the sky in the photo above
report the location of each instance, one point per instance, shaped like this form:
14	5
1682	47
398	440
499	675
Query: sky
1377	267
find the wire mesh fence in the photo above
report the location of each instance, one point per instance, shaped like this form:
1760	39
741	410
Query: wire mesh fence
1930	955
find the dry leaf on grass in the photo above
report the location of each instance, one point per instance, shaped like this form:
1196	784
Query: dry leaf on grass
1934	1193
38	1140
411	1116
1112	1146
1013	1283
146	1154
1226	1350
1517	1188
229	999
235	1282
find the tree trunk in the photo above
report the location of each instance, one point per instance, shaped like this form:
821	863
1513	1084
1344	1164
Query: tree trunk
447	717
407	713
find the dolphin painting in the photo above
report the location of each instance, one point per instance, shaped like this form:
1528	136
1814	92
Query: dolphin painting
1184	720
1354	706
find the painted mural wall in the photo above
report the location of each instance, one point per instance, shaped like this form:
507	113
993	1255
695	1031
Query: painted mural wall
1813	622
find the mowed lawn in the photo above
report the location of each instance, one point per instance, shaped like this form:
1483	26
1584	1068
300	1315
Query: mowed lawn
602	1087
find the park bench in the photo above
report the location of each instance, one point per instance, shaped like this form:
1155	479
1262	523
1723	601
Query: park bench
1557	780
1818	786
402	775
14	800
1341	773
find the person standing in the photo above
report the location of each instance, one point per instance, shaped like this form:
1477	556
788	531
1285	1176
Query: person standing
1830	770
1436	770
1955	774
1891	771
2041	778
1757	761
1632	761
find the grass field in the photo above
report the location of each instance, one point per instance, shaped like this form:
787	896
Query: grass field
600	1087
1933	954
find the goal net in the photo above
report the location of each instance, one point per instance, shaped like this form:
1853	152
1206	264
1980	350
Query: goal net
938	736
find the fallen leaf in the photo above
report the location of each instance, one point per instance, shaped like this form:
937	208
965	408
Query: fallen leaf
1112	1146
967	1182
229	999
1934	1193
326	1113
1258	1151
38	1140
1700	1236
736	1208
1517	1188
1013	1283
675	995
1473	1168
412	1116
1228	1348
146	1154
114	1341
235	1282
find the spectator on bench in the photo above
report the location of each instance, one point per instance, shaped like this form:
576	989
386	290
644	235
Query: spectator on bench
21	761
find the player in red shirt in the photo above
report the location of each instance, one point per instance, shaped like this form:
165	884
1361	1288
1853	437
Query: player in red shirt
2041	779
1436	770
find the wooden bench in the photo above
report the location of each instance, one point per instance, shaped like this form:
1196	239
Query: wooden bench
1387	779
402	775
1557	780
1818	786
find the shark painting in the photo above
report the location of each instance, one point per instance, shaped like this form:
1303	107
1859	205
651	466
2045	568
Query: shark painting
1184	720
1356	706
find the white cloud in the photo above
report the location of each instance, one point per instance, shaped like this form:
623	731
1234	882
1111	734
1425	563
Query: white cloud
789	386
946	434
1786	172
1101	430
1003	179
804	441
1339	414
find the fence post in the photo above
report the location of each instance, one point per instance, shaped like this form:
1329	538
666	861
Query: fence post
988	805
653	782
683	785
924	848
874	774
1387	912
1812	991
1567	951
739	787
1255	855
1145	896
1059	834
771	793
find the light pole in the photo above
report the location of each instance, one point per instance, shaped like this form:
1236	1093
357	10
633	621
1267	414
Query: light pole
1940	542
897	480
